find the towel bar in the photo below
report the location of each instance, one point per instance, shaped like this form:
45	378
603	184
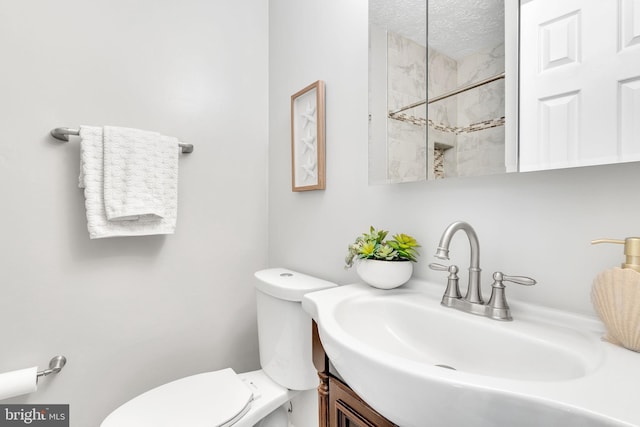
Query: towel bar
63	135
55	365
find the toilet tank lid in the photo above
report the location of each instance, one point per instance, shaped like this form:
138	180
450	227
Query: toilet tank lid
289	285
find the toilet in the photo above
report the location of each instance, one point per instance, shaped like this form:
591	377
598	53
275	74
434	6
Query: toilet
225	398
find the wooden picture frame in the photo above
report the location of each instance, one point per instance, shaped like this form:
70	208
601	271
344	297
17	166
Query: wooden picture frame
308	138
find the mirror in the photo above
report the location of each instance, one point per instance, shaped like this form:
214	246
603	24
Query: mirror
450	107
440	109
471	126
397	78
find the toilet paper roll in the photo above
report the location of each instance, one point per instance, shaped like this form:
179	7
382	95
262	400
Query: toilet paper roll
19	382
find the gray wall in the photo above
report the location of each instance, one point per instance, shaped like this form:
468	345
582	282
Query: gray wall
537	224
131	313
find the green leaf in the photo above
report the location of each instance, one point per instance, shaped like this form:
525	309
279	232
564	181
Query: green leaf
373	246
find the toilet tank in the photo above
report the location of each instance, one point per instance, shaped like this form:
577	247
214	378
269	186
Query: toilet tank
284	328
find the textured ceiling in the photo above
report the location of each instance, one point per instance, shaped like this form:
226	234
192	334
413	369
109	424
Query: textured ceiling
457	28
405	17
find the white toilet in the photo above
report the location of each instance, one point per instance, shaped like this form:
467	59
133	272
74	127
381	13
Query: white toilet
223	398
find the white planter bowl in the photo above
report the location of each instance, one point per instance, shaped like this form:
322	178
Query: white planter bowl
384	274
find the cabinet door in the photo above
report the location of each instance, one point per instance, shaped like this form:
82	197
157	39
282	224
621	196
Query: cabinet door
580	83
346	409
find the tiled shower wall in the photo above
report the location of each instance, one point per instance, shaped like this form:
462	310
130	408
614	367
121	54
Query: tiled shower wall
467	151
481	152
443	115
406	84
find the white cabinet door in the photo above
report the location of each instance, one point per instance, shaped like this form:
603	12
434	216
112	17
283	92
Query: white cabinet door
580	83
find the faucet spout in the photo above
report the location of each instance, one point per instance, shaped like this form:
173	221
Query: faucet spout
473	291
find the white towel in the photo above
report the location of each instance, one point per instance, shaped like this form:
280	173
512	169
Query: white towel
92	178
135	164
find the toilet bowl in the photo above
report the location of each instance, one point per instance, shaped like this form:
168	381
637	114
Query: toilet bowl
223	398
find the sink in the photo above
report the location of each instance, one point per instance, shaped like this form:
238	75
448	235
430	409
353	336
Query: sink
419	330
421	364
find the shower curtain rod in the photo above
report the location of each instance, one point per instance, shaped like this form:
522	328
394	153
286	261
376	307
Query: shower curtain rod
450	94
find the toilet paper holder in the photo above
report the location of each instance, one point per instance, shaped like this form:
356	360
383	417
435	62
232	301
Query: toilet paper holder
55	365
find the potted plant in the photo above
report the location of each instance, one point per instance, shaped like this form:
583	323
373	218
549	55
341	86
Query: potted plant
383	264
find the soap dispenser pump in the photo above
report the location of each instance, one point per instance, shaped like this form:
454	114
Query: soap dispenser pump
631	251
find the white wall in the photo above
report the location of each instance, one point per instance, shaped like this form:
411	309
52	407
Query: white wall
538	224
131	313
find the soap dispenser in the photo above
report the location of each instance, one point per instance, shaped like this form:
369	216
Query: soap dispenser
616	296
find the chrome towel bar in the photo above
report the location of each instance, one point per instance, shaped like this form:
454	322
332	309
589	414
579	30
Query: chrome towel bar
55	365
63	135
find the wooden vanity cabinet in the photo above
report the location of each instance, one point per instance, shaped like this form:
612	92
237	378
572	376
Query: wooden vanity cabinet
338	405
346	409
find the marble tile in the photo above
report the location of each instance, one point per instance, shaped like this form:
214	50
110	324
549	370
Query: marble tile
406	84
480	65
481	152
468	128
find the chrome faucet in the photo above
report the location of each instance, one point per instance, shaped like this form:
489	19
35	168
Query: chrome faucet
497	307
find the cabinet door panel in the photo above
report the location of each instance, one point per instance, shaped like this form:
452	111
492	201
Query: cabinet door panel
346	416
579	85
347	409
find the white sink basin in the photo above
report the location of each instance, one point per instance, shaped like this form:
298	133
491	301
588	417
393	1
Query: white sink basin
416	328
546	368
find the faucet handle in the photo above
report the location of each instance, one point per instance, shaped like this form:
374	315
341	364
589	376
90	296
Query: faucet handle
499	309
520	280
453	290
441	267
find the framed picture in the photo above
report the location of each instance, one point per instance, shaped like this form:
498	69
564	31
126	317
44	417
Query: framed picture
307	138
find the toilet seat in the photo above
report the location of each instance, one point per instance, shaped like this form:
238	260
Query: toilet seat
212	399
